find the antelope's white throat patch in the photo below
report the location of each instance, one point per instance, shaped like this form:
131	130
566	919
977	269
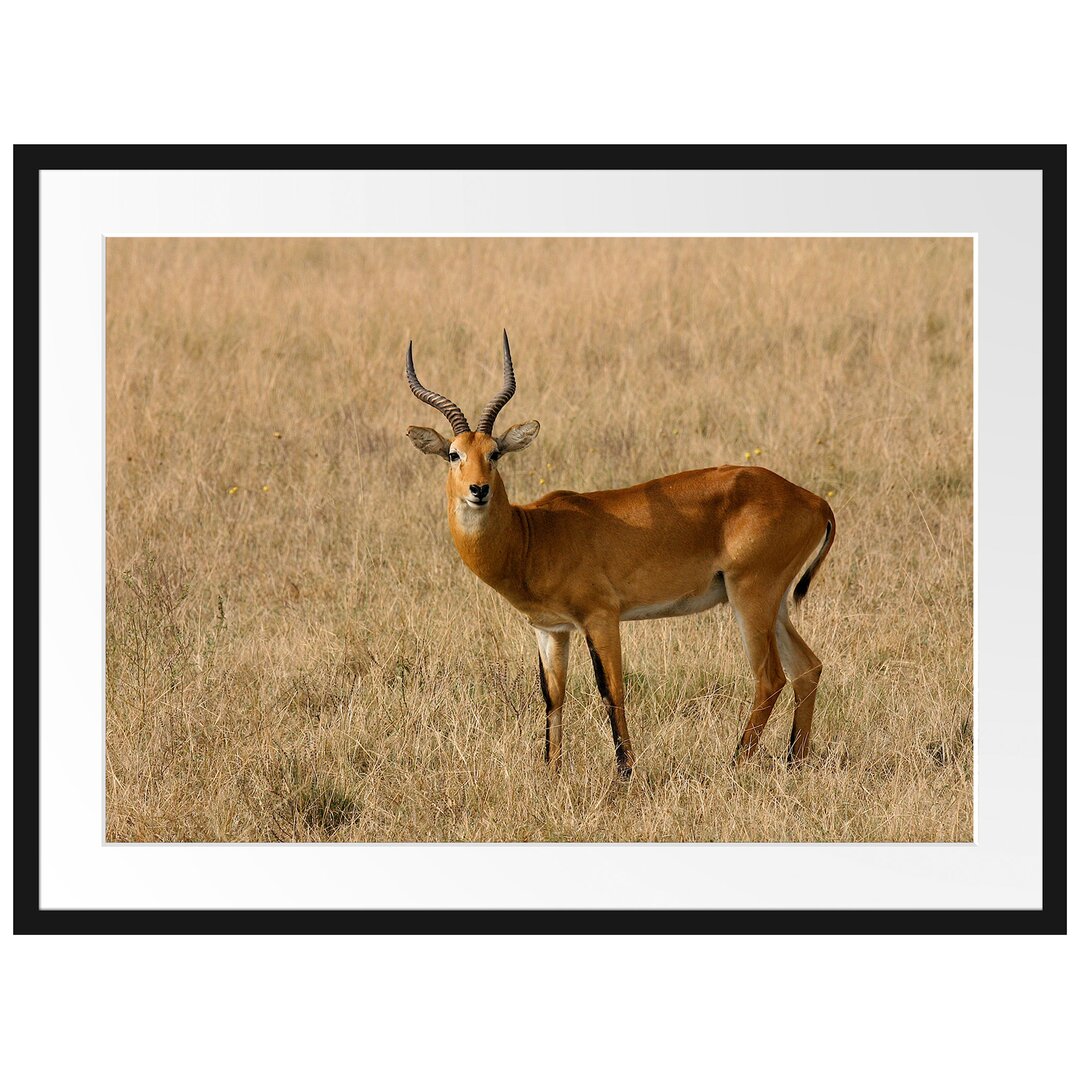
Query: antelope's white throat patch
470	517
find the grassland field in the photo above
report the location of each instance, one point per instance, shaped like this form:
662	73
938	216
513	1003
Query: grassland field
294	651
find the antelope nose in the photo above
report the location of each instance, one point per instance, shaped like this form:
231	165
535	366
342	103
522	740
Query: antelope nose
480	491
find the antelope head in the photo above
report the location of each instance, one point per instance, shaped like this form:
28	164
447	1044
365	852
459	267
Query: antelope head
473	484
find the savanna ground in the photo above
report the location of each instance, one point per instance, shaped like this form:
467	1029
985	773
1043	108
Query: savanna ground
294	650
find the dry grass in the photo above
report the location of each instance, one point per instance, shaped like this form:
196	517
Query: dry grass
295	652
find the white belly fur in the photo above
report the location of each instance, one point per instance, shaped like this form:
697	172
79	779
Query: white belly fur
715	594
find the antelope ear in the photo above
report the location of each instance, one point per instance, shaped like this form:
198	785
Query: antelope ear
518	437
429	441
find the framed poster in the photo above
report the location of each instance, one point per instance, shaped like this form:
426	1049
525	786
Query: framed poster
273	695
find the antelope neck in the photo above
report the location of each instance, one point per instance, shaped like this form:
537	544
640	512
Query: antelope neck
490	541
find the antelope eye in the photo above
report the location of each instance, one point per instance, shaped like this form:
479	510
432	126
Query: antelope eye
454	456
494	456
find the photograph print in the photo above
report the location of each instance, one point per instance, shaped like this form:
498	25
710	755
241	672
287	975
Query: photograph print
686	553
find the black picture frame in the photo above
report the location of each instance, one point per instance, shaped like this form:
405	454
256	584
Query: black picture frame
30	160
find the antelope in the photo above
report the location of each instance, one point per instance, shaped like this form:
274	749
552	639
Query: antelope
677	545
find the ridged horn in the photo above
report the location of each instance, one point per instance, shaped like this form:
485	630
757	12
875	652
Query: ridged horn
436	401
487	421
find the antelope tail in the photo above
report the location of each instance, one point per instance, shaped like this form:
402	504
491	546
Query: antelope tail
804	582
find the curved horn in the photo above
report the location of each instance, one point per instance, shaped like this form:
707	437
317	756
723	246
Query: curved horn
436	401
487	421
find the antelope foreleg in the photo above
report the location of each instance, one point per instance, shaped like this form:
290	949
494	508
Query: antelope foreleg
554	649
605	648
